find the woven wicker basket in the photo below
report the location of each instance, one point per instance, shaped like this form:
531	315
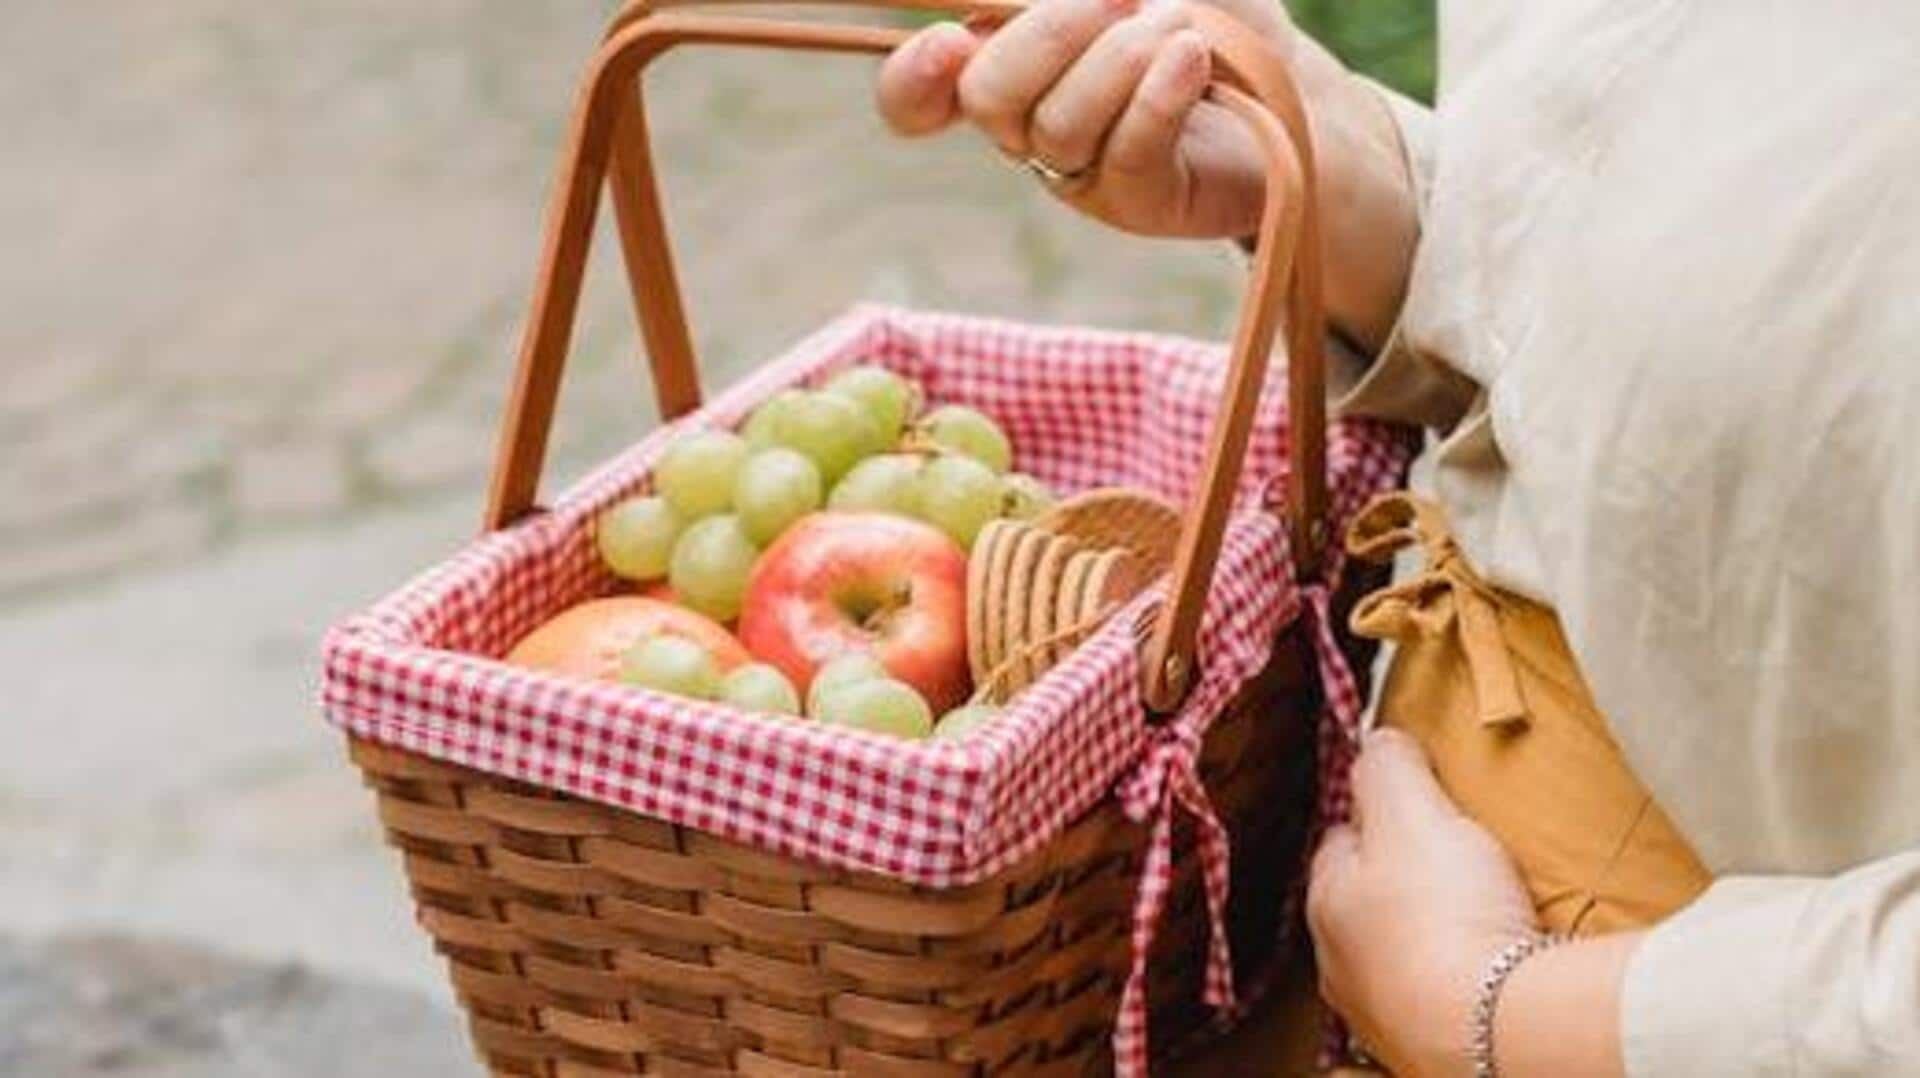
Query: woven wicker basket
584	940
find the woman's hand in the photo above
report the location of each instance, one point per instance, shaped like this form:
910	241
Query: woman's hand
1410	903
1111	93
1407	905
1107	90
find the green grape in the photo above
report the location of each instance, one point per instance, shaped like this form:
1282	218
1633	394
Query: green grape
1026	497
762	428
880	705
882	484
831	429
636	537
760	687
888	398
671	664
962	721
710	566
968	431
839	671
958	495
696	474
775	487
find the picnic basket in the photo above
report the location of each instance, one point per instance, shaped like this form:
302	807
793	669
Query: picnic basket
626	883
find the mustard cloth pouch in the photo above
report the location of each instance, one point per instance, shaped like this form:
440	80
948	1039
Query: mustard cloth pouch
1485	680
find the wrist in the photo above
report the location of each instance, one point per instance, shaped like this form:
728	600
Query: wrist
1497	971
1559	1013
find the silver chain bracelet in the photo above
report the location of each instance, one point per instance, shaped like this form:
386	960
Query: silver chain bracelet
1486	997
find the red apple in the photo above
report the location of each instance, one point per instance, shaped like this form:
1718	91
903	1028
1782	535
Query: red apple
588	640
887	585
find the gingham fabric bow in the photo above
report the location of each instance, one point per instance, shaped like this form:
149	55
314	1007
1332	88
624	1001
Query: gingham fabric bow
1342	700
1168	777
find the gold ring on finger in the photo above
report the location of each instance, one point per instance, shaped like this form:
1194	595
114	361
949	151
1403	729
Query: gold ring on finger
1054	176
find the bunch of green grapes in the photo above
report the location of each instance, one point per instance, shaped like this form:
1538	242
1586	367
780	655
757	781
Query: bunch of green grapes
877	453
717	502
672	664
854	690
858	444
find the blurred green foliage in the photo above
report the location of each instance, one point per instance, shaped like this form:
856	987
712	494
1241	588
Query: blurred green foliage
1391	40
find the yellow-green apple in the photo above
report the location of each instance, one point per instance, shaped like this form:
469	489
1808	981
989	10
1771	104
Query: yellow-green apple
890	586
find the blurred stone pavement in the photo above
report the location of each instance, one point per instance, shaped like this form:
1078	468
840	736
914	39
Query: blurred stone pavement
264	270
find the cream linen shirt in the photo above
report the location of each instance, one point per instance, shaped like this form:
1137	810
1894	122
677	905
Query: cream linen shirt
1666	312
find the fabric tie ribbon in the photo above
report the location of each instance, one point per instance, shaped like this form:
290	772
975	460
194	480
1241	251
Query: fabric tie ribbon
1413	607
1169	776
1167	780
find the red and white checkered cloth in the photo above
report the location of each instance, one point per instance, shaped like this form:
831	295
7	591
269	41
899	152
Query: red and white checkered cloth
1084	408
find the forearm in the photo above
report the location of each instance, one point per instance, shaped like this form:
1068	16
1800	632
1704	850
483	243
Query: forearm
1368	205
1783	977
1559	1014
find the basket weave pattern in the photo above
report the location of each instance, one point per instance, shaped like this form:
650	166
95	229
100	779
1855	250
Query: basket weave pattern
583	939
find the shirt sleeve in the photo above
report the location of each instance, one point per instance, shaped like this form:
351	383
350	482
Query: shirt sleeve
1776	976
1399	384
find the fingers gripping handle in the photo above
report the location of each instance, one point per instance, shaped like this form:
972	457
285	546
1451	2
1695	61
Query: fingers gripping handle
1286	268
608	139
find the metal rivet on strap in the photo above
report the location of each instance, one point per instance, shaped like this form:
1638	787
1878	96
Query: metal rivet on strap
1175	672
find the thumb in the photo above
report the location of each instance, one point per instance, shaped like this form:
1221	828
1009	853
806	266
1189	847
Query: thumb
1394	789
918	86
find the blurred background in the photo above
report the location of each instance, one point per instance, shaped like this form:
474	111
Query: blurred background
265	270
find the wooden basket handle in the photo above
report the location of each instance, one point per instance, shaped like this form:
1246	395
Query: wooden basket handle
608	142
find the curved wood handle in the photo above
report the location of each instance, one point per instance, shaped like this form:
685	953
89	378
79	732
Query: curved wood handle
608	141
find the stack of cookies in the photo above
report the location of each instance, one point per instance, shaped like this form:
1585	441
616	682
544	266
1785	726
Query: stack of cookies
1036	589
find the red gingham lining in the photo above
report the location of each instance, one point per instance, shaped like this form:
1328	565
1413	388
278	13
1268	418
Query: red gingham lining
1084	408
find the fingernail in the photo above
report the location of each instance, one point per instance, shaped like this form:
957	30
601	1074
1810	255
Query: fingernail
1158	14
936	54
1165	12
1192	63
1381	737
